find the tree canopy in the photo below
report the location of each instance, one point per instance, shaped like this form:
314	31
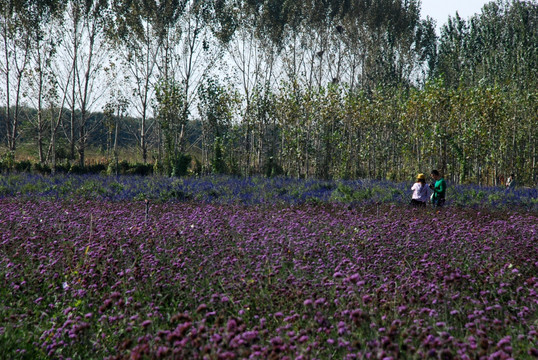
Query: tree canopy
324	88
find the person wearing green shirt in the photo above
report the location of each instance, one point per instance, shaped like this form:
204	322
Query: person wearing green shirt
439	189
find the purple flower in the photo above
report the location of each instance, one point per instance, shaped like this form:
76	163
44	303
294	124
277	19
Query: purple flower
504	341
145	323
250	335
303	339
276	341
232	325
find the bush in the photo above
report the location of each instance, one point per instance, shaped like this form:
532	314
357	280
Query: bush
140	169
40	168
63	167
181	165
7	161
123	167
77	169
96	168
23	166
62	153
111	169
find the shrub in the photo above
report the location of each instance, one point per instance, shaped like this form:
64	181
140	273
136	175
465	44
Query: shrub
77	169
40	168
111	169
123	167
7	161
96	168
140	169
63	167
181	165
23	166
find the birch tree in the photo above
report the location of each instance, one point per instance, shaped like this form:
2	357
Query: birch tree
40	75
85	53
139	33
15	47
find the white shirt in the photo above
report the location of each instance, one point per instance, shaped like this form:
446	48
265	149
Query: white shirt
421	192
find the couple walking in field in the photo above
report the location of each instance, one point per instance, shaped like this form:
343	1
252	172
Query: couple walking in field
422	191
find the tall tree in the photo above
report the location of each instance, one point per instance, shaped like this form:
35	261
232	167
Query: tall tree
139	33
189	53
42	16
169	107
15	32
216	107
85	52
253	60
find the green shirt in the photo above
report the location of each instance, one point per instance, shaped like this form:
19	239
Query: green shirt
439	189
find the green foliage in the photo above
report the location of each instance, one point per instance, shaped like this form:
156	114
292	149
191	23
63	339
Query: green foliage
14	340
40	168
23	166
197	167
367	89
495	46
181	165
140	169
218	165
90	190
172	115
7	161
126	168
272	168
216	107
158	168
346	194
77	169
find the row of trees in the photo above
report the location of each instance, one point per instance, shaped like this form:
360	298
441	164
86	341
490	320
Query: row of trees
333	88
471	134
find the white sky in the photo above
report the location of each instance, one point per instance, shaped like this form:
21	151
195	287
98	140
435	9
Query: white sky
439	10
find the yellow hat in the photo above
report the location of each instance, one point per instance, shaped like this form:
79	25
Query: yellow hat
421	177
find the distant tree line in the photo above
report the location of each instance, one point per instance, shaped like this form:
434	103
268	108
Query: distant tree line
328	89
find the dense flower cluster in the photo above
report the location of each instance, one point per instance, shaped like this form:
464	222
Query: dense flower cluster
97	279
252	191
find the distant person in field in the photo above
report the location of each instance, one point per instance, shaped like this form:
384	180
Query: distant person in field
421	192
510	182
438	188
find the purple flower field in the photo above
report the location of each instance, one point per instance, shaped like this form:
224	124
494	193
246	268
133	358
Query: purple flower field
99	279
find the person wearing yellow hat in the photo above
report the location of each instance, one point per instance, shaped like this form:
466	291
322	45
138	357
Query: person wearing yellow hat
421	192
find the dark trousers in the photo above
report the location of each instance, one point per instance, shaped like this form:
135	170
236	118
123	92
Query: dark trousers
438	202
416	203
